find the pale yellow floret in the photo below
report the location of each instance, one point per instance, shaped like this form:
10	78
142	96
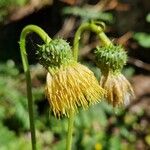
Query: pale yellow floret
72	87
119	90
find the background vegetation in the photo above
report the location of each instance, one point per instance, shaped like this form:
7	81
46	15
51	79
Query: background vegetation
101	127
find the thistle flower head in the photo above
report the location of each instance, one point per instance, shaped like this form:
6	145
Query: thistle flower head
69	84
110	60
72	87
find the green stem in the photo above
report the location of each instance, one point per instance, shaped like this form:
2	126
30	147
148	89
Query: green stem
104	39
70	130
28	29
92	27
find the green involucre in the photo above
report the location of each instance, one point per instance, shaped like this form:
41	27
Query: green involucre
110	57
55	53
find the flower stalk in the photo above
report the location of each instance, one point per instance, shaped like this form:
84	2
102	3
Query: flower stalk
70	130
29	29
91	26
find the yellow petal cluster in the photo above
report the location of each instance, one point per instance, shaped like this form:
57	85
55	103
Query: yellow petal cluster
119	90
72	87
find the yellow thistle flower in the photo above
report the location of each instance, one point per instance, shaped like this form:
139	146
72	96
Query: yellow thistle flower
119	90
69	84
72	87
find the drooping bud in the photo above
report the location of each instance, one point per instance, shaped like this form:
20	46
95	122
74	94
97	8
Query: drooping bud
111	59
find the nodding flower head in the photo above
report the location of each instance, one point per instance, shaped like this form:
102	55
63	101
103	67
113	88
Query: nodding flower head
69	85
111	60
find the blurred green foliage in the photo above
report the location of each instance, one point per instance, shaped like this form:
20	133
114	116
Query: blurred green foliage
148	17
6	5
142	38
100	127
88	14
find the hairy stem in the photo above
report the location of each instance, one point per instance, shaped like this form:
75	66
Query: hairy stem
91	26
28	29
70	131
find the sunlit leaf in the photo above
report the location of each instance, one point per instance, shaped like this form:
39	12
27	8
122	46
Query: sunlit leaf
143	39
148	17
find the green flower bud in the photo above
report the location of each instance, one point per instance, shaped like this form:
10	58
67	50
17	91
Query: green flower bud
110	58
55	54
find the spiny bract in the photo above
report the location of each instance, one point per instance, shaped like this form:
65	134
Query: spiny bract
110	57
55	53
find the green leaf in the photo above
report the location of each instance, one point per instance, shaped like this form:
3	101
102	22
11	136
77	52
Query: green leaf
88	14
148	17
147	139
115	142
143	39
128	72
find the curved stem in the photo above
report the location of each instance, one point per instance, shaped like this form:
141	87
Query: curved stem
70	131
104	39
92	27
28	29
